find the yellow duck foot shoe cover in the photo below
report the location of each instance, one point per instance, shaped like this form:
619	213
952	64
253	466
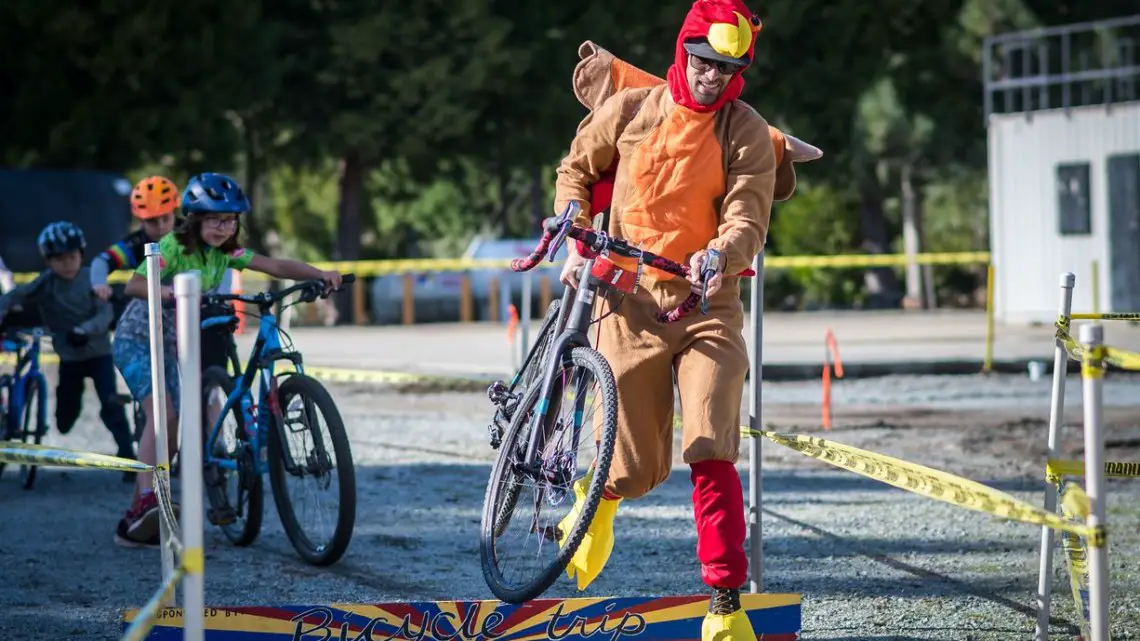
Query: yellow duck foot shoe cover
598	542
727	627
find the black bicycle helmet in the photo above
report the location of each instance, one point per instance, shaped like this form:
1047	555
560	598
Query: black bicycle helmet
59	238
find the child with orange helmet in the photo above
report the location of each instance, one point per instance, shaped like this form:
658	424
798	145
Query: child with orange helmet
154	201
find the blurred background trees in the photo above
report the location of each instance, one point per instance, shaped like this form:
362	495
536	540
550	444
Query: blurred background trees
376	129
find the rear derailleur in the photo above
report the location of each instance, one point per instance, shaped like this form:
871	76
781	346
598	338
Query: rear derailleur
505	406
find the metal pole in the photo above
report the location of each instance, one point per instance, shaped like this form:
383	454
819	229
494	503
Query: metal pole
988	365
1056	419
1092	375
158	392
188	293
524	321
755	365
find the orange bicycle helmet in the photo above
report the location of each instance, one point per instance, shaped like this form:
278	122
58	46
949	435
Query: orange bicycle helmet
154	196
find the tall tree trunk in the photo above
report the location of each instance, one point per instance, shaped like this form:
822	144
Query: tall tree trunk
349	212
881	283
349	215
256	227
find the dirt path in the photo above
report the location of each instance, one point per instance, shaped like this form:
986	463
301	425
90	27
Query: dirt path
872	562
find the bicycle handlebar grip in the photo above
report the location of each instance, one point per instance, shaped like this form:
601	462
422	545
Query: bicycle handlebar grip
686	306
535	257
551	225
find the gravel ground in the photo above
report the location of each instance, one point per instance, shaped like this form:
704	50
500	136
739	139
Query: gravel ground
871	561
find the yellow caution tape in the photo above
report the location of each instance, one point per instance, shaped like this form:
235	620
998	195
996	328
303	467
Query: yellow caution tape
46	358
193	561
1076	557
1075	501
343	375
372	268
1117	357
1055	469
924	481
331	374
145	618
51	456
1092	365
1113	316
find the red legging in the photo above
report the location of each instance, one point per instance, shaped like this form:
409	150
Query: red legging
718	509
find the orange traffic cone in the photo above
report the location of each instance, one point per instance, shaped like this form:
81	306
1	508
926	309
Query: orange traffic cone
512	324
830	358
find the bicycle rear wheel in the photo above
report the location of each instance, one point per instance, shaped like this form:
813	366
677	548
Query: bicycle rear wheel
527	501
34	424
236	497
299	451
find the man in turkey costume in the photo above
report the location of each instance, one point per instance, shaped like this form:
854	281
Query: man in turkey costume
698	172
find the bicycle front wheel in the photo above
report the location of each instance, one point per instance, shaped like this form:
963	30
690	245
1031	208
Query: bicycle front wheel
527	532
311	468
34	424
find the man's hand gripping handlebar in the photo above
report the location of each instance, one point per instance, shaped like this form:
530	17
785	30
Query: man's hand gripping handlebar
556	229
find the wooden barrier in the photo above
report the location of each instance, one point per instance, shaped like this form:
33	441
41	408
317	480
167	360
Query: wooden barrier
493	300
359	312
465	306
543	295
409	299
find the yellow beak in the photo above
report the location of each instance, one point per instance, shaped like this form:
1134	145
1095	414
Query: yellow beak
731	39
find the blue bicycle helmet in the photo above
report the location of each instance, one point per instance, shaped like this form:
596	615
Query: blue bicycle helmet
59	238
211	193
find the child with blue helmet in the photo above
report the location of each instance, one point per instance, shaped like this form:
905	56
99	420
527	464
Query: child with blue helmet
79	322
206	241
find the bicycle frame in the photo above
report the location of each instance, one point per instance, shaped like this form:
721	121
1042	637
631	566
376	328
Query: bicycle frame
267	350
574	321
27	369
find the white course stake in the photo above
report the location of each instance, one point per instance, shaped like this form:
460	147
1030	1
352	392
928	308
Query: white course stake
1056	420
158	394
755	422
1092	375
188	293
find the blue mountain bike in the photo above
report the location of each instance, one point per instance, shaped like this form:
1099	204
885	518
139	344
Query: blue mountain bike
23	395
279	434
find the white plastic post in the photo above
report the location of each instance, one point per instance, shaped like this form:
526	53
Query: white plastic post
188	293
158	393
755	422
1056	419
1092	337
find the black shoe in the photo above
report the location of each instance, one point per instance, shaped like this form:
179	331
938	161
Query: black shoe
724	601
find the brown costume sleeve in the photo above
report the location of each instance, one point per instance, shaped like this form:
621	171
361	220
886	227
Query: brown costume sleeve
591	152
751	179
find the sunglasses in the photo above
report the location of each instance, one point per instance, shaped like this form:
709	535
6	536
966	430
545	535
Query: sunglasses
220	223
704	64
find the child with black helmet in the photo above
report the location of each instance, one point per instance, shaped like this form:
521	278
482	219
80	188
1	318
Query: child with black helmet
206	241
79	323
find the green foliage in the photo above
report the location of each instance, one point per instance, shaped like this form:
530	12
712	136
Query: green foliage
818	220
454	113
